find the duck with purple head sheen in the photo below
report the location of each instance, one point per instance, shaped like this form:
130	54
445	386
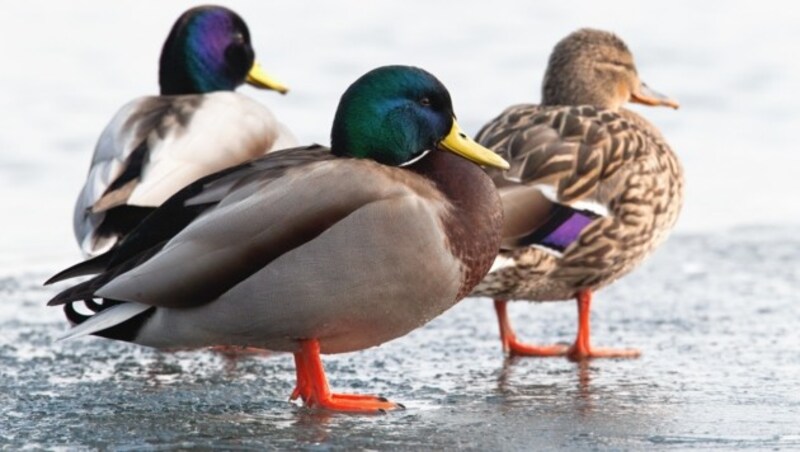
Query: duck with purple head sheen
310	250
155	145
593	188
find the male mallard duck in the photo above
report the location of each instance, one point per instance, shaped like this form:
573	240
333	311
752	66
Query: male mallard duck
308	250
593	187
156	145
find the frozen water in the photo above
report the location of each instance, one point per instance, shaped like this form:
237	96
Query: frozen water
715	317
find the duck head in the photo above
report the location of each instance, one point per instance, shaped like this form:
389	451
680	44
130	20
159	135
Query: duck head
209	50
594	67
395	114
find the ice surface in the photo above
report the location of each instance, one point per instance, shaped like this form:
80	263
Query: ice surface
715	317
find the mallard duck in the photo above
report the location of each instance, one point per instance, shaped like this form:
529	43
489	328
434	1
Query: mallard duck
310	250
155	145
593	188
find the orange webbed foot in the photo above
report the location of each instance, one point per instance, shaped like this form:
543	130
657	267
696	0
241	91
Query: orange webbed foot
580	353
582	348
513	347
355	403
312	387
516	348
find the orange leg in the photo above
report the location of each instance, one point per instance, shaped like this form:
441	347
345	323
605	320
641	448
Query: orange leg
513	347
312	386
302	389
582	348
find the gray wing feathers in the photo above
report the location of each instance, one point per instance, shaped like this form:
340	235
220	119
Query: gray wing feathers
244	233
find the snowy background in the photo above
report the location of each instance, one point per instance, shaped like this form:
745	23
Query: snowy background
68	66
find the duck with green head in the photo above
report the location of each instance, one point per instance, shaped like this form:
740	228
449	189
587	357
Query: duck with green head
198	125
593	188
310	250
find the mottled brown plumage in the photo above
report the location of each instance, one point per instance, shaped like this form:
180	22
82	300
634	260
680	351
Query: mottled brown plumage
580	149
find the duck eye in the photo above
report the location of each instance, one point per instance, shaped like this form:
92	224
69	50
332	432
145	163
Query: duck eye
238	38
425	102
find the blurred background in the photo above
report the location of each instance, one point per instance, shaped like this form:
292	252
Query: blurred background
68	66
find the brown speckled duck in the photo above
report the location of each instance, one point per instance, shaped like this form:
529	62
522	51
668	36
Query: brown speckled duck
593	188
310	250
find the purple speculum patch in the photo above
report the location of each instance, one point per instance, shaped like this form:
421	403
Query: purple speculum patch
568	231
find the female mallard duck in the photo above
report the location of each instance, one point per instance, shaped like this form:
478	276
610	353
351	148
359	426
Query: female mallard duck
593	188
156	145
309	250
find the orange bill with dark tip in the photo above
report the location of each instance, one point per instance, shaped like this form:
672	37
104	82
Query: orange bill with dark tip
648	96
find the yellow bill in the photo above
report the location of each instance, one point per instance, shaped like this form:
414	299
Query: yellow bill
460	143
259	78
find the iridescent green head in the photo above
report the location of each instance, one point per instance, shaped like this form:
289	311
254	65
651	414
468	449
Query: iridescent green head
209	50
393	114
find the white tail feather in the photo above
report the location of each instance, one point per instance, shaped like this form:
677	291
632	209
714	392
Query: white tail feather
501	262
106	319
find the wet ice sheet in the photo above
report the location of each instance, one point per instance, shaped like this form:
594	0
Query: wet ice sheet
715	317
